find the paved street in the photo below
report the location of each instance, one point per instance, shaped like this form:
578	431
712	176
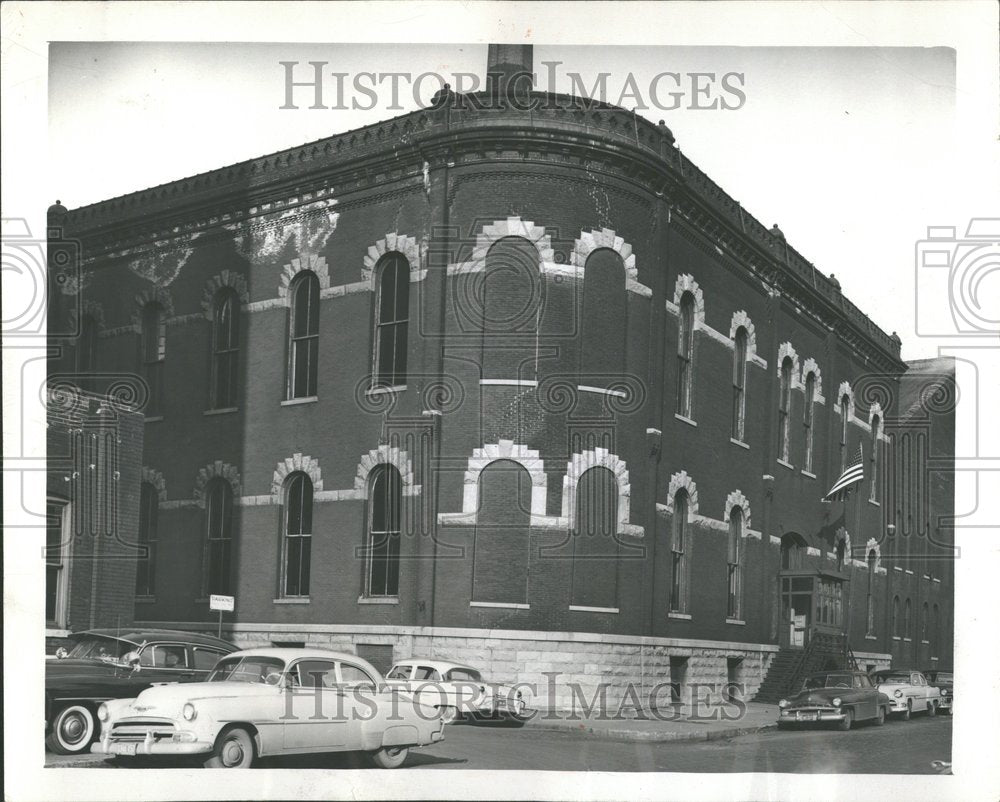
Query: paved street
896	748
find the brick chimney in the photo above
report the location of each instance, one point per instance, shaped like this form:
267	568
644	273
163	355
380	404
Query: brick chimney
509	71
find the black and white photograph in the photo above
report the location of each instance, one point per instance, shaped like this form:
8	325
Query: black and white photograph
501	400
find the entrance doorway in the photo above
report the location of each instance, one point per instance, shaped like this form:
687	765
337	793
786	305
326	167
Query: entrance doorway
796	610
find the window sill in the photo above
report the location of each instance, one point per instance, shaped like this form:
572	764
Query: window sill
501	605
786	464
907	640
306	399
293	600
145	599
736	621
739	443
809	474
871	637
378	599
685	419
221	411
874	503
153	418
897	568
895	637
908	571
925	642
394	388
50	632
681	616
581	608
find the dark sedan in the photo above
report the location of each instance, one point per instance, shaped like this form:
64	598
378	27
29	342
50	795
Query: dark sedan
944	682
843	697
107	664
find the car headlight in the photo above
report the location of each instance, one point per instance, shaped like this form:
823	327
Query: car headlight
836	701
783	703
898	694
945	692
188	711
102	712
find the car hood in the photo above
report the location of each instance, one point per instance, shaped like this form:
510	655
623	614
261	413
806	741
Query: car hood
819	696
79	667
170	696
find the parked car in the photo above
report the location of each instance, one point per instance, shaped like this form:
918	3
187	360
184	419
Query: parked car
844	697
103	664
456	689
944	682
908	690
271	701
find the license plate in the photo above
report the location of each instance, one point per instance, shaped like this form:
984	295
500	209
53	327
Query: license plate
125	749
808	716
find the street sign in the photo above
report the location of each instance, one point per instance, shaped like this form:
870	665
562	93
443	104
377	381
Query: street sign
220	603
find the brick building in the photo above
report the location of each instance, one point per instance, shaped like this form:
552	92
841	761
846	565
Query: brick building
507	379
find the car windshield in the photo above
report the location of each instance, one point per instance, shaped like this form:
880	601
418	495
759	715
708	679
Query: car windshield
464	675
943	677
827	681
246	669
97	647
893	679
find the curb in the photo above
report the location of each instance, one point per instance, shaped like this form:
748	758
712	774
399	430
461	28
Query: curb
653	736
78	762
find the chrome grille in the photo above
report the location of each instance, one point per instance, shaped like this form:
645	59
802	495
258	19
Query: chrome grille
137	729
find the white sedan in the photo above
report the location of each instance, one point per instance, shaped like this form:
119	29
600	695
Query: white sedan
456	689
263	702
908	691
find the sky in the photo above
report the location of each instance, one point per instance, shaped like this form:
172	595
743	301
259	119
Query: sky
852	151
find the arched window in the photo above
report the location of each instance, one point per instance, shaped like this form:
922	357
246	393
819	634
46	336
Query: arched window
937	631
225	348
739	383
685	355
807	418
511	296
784	408
873	459
303	353
86	351
841	554
392	314
385	497
604	317
924	615
503	523
152	345
297	520
733	556
219	537
145	569
845	412
895	616
907	632
678	546
870	605
595	543
793	547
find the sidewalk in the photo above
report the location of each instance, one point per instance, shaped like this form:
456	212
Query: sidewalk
756	718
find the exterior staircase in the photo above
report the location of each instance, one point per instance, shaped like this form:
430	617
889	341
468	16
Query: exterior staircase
789	666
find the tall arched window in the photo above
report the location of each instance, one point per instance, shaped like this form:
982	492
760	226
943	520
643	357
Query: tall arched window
678	546
511	289
739	383
153	352
845	412
685	355
225	348
385	497
807	418
605	310
784	408
895	616
219	537
924	615
86	351
937	631
595	543
503	523
873	459
392	314
733	555
145	569
793	547
841	554
297	520
870	601
303	353
907	632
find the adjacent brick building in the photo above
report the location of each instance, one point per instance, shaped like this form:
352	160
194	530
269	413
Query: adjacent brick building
521	386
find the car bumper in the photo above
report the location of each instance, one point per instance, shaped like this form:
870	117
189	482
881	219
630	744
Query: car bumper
897	705
796	716
137	748
945	703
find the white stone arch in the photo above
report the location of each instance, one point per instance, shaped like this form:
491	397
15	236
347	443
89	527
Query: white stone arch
384	455
787	349
295	464
227	278
211	471
408	247
686	283
90	309
307	261
741	318
155	478
505	450
811	366
737	499
846	389
681	481
583	462
513	227
606	238
157	295
873	410
873	545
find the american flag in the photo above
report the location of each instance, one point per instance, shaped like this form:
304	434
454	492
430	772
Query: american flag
853	473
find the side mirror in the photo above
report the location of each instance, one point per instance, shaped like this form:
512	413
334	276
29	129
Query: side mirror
61	653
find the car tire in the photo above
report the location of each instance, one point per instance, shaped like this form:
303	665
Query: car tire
449	714
931	709
847	721
908	713
234	749
390	757
880	718
73	730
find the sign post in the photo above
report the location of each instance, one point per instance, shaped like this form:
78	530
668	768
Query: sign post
220	603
